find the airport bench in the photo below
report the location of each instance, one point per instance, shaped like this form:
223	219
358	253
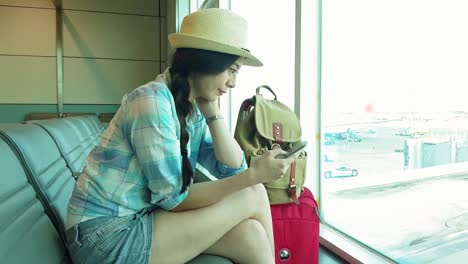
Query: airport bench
40	160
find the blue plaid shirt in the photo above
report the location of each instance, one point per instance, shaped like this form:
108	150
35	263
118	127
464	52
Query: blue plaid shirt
137	163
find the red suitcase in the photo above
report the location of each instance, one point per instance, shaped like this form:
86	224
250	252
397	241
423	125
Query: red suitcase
296	230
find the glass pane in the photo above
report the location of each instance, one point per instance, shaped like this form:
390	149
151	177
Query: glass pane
271	39
395	149
308	92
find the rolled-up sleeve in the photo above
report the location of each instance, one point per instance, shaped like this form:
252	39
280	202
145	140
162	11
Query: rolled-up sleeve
153	135
207	159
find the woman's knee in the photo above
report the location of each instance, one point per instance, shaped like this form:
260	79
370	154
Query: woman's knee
259	195
260	188
257	191
251	200
252	235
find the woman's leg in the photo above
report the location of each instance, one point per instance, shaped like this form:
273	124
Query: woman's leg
247	242
180	236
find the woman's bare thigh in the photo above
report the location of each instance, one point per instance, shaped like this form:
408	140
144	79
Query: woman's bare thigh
180	236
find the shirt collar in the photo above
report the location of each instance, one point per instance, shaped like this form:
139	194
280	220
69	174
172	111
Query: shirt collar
164	77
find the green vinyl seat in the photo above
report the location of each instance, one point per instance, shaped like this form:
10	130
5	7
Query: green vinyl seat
27	235
40	158
74	145
47	170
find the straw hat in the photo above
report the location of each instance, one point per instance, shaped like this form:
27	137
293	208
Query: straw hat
215	29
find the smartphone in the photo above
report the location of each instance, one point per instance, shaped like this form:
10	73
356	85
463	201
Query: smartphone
296	148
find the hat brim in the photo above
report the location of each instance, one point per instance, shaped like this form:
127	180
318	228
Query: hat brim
180	40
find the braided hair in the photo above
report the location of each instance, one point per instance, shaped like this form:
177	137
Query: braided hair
186	61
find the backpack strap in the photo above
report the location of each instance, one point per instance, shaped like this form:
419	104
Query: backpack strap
247	104
292	183
257	91
277	132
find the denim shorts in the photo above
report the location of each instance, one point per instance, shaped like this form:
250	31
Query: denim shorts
125	239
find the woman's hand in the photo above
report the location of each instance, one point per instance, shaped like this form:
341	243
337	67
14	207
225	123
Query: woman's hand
208	108
267	168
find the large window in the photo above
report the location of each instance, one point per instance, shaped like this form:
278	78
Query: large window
271	39
275	34
381	100
394	124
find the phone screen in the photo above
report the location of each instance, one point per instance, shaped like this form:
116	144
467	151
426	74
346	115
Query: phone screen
296	148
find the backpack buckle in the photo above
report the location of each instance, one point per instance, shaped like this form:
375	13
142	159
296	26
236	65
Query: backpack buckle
275	146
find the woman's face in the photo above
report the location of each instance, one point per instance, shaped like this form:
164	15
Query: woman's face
212	86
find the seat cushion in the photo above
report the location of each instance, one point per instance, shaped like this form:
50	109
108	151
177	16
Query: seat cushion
46	168
86	127
26	233
69	142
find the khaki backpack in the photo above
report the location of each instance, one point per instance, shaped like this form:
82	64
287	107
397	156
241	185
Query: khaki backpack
264	124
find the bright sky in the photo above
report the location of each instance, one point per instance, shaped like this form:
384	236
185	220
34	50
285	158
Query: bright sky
271	39
383	56
395	55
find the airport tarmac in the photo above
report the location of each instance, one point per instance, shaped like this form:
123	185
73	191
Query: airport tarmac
379	153
405	220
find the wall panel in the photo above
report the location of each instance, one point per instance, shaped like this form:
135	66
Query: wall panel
99	81
14	113
103	35
163	8
29	3
27	80
141	7
164	40
110	47
27	31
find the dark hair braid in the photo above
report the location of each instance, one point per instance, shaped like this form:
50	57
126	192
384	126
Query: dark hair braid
181	91
184	62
